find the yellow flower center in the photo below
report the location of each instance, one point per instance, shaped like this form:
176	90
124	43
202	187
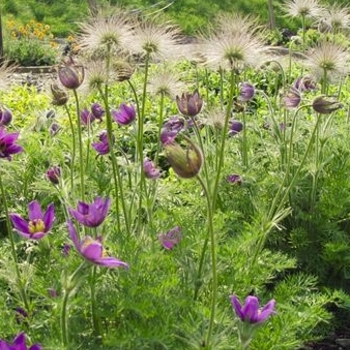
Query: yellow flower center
36	225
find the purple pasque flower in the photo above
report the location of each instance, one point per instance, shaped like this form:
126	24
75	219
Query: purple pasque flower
189	104
102	147
305	83
91	215
53	174
86	117
234	179
170	129
250	312
92	250
125	115
97	111
65	249
7	144
171	238
54	128
150	170
234	127
18	343
71	75
5	117
38	225
291	99
246	92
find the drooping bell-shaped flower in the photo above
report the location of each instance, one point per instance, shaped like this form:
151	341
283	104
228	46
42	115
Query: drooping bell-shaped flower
97	111
53	174
38	225
246	92
189	104
170	129
150	170
234	179
91	215
234	127
71	75
7	144
59	96
291	99
305	83
171	238
102	147
18	343
324	105
92	250
186	160
5	117
86	117
125	115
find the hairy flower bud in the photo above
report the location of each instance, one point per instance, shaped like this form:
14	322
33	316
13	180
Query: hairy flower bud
60	97
189	104
71	76
185	161
325	106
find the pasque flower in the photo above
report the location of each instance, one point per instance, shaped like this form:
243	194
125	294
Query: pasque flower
71	75
7	144
18	343
97	111
305	83
249	312
59	96
124	115
291	99
5	117
91	215
246	92
53	174
324	105
189	104
235	127
170	129
171	238
92	250
102	147
38	225
150	170
234	179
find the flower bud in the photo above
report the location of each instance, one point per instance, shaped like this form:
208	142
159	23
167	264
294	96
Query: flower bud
125	115
97	111
235	127
60	97
53	174
291	99
5	117
186	162
189	104
246	92
123	70
325	106
71	76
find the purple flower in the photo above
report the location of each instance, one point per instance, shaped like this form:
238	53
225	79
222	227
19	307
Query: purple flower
189	104
53	174
91	215
246	92
101	147
65	249
53	129
71	75
150	170
7	144
39	224
291	99
86	117
235	127
171	238
305	83
20	315
234	179
5	117
51	292
18	343
250	311
124	115
170	129
97	111
92	250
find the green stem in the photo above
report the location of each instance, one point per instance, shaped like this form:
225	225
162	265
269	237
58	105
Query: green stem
73	147
20	285
95	318
81	154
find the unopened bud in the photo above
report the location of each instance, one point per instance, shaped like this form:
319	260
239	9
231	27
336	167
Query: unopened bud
325	106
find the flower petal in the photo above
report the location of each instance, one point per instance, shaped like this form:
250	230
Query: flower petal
4	345
34	211
49	217
19	343
19	223
111	262
37	235
73	236
250	309
237	306
35	347
266	311
91	251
